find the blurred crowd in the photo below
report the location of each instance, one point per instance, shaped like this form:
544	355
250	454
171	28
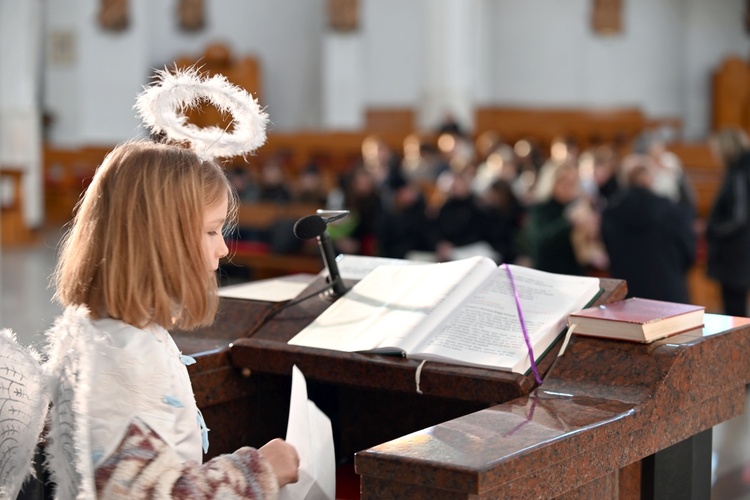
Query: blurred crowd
624	211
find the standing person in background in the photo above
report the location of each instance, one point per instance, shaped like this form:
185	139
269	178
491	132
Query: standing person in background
668	176
728	226
649	238
556	226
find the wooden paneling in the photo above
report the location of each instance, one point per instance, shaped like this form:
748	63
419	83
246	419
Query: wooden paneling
585	126
14	229
731	94
67	172
400	120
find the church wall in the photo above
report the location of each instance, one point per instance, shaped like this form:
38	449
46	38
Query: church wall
540	52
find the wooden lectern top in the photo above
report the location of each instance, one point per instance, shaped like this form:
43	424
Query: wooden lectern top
268	351
605	411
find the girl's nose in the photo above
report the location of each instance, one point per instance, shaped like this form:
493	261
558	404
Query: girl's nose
223	249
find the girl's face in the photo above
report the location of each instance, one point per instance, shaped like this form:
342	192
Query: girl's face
214	247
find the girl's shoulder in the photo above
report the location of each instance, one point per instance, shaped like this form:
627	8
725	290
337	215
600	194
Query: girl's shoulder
102	335
151	342
119	332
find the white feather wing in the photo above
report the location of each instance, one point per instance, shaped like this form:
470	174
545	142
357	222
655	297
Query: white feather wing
68	448
24	399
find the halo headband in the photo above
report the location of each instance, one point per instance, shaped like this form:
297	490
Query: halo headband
162	108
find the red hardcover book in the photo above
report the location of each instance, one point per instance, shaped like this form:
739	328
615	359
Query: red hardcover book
637	320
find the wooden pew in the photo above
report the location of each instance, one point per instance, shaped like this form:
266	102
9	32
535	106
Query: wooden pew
15	231
702	170
730	93
67	172
586	126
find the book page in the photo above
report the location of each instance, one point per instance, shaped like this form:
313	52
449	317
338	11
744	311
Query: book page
486	330
392	303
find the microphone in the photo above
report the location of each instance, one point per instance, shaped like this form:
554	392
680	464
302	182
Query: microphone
314	226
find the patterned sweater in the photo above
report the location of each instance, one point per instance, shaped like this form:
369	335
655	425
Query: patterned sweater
143	466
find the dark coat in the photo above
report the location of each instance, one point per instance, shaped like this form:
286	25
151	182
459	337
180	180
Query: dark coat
461	222
548	233
728	228
651	244
400	231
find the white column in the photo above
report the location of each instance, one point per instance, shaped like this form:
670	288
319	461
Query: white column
450	57
343	81
20	76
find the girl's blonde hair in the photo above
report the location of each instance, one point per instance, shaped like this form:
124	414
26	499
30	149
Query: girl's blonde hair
134	251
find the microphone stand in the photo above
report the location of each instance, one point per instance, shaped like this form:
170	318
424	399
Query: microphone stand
329	258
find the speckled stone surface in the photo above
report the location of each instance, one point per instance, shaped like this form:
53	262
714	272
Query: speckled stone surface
603	406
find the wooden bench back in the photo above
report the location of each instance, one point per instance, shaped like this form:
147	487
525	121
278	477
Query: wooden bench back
586	126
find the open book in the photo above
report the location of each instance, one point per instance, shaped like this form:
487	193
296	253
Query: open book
461	312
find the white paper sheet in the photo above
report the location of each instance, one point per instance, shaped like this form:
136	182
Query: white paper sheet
309	431
269	290
356	267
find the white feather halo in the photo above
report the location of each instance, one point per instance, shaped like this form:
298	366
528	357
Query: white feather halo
162	105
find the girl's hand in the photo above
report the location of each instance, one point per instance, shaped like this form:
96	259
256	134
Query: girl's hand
283	459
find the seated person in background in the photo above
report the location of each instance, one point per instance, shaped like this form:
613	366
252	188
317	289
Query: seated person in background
501	163
529	160
422	162
310	186
403	226
273	184
378	158
357	192
649	238
243	181
459	221
505	218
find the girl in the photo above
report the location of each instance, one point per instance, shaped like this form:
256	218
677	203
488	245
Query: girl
141	257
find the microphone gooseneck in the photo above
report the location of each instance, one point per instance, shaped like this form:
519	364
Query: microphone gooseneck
314	226
329	257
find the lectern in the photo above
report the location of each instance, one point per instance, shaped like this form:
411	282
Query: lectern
610	419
